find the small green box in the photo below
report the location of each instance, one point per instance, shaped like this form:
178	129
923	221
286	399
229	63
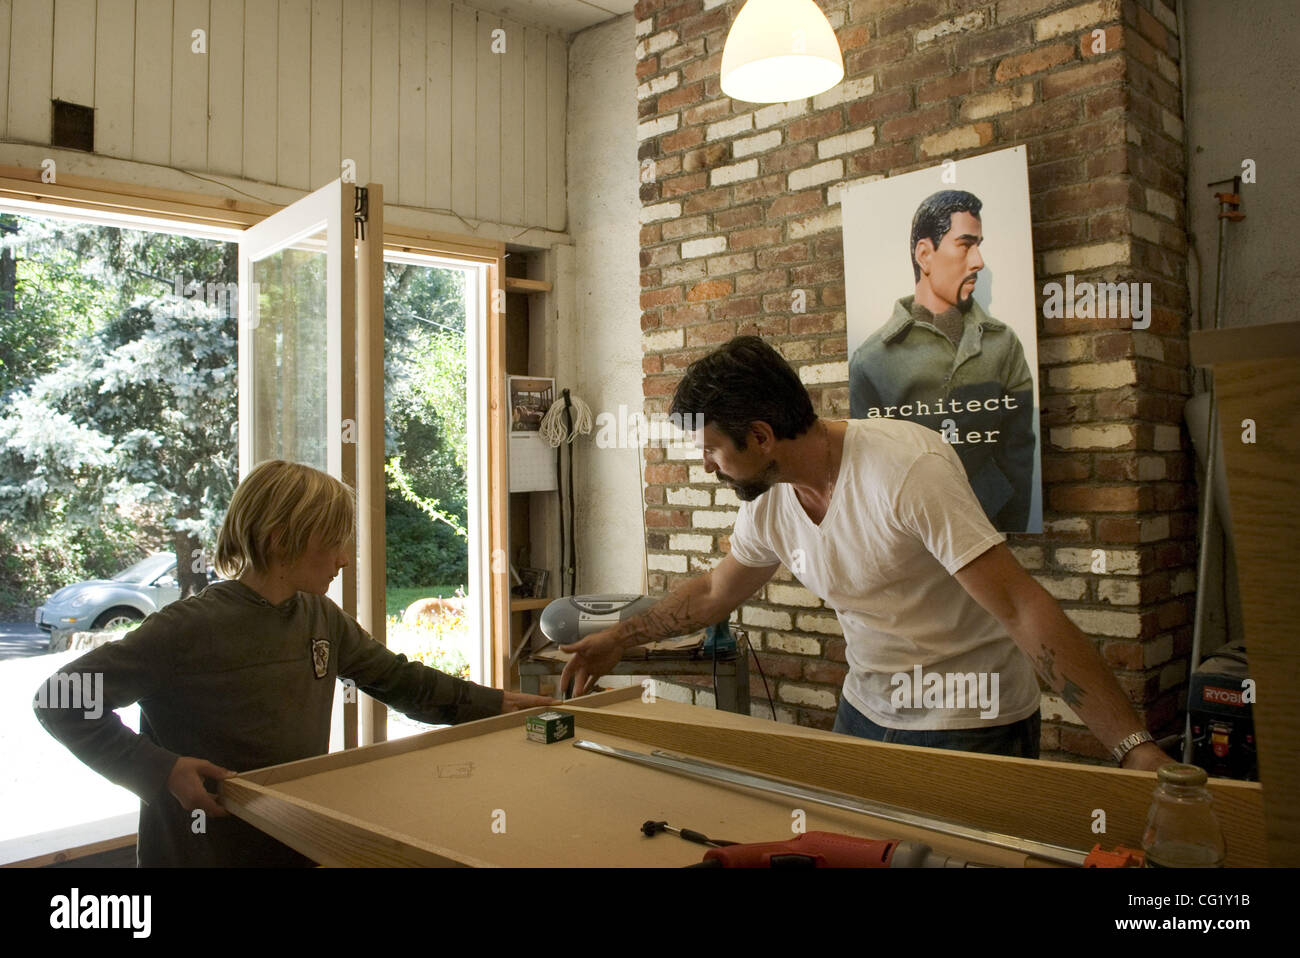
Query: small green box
549	727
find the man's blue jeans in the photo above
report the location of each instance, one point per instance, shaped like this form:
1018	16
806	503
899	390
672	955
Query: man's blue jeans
1019	739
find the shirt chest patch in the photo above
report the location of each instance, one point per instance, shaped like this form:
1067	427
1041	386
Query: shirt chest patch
320	656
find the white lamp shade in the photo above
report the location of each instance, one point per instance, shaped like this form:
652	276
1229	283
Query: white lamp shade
780	50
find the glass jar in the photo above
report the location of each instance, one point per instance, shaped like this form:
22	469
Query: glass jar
1182	831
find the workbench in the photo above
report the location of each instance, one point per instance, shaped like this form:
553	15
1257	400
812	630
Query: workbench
482	794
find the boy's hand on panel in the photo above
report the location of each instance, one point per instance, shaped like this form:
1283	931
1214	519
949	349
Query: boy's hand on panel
186	785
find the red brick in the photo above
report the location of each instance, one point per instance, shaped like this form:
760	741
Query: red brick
710	289
908	16
674	100
684	184
793	203
1099	498
734	308
738	216
658	386
662	297
647	68
851	38
651	364
683	52
709	112
667	517
1122	654
1110	529
650	234
682	139
916	123
871	57
710	334
822	124
917	67
649	278
793	253
1035	61
1057	468
788	158
987	44
1114	40
945	87
872	108
746	239
763	282
666	473
1106	72
883	159
714	199
706	69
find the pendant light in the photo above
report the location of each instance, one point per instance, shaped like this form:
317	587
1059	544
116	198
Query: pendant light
780	50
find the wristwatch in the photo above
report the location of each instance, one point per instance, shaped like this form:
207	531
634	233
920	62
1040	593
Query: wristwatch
1130	743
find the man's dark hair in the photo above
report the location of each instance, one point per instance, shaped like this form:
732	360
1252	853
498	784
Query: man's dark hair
933	219
743	382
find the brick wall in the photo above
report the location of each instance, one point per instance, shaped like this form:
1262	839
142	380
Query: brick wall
740	207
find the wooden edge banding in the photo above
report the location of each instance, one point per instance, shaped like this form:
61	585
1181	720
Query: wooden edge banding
64	855
1043	801
332	838
289	771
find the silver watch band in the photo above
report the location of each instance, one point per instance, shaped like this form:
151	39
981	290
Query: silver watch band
1130	743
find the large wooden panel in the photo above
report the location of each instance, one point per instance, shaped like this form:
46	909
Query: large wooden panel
226	87
293	99
74	51
326	90
1266	526
261	33
453	796
384	53
356	87
190	86
411	109
30	55
152	136
437	72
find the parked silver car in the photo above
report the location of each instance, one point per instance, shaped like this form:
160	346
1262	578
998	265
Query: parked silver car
128	597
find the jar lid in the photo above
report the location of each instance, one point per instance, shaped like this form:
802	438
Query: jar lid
1184	775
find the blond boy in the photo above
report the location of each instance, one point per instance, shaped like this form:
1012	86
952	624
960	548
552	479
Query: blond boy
242	675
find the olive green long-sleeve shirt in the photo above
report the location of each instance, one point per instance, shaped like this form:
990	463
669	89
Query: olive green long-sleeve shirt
981	387
228	677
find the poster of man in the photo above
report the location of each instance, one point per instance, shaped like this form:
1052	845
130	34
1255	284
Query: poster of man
934	338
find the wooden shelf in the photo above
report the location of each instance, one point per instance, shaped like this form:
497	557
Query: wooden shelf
517	284
519	605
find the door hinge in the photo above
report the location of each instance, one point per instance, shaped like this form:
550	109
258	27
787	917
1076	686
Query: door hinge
361	214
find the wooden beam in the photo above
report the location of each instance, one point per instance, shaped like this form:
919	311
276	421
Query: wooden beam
517	284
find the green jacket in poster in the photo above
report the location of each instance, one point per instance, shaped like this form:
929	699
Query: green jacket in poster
978	394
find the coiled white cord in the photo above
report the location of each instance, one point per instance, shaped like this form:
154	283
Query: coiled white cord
552	427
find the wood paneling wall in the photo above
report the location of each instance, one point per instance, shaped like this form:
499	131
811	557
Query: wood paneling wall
411	90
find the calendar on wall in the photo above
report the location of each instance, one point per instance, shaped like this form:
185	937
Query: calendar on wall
532	458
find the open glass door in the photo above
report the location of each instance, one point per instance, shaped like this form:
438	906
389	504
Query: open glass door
297	353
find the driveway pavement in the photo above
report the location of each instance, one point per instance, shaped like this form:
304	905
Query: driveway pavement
20	639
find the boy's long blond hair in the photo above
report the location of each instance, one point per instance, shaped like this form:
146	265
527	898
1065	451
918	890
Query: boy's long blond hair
287	500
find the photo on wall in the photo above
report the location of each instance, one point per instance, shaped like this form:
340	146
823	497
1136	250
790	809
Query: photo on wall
942	331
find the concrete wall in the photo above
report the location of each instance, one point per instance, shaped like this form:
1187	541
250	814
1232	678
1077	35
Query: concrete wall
598	351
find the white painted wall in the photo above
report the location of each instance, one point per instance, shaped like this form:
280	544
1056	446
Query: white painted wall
411	90
598	353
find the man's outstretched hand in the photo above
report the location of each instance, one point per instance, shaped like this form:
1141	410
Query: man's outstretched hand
186	784
518	701
594	656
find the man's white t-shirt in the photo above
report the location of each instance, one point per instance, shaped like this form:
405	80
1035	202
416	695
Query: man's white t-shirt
901	520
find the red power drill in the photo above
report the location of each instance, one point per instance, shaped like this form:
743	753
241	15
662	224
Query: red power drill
829	850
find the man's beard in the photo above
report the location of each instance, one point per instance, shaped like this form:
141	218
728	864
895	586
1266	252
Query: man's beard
964	305
751	489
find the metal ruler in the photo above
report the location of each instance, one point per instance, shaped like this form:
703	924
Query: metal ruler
698	768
